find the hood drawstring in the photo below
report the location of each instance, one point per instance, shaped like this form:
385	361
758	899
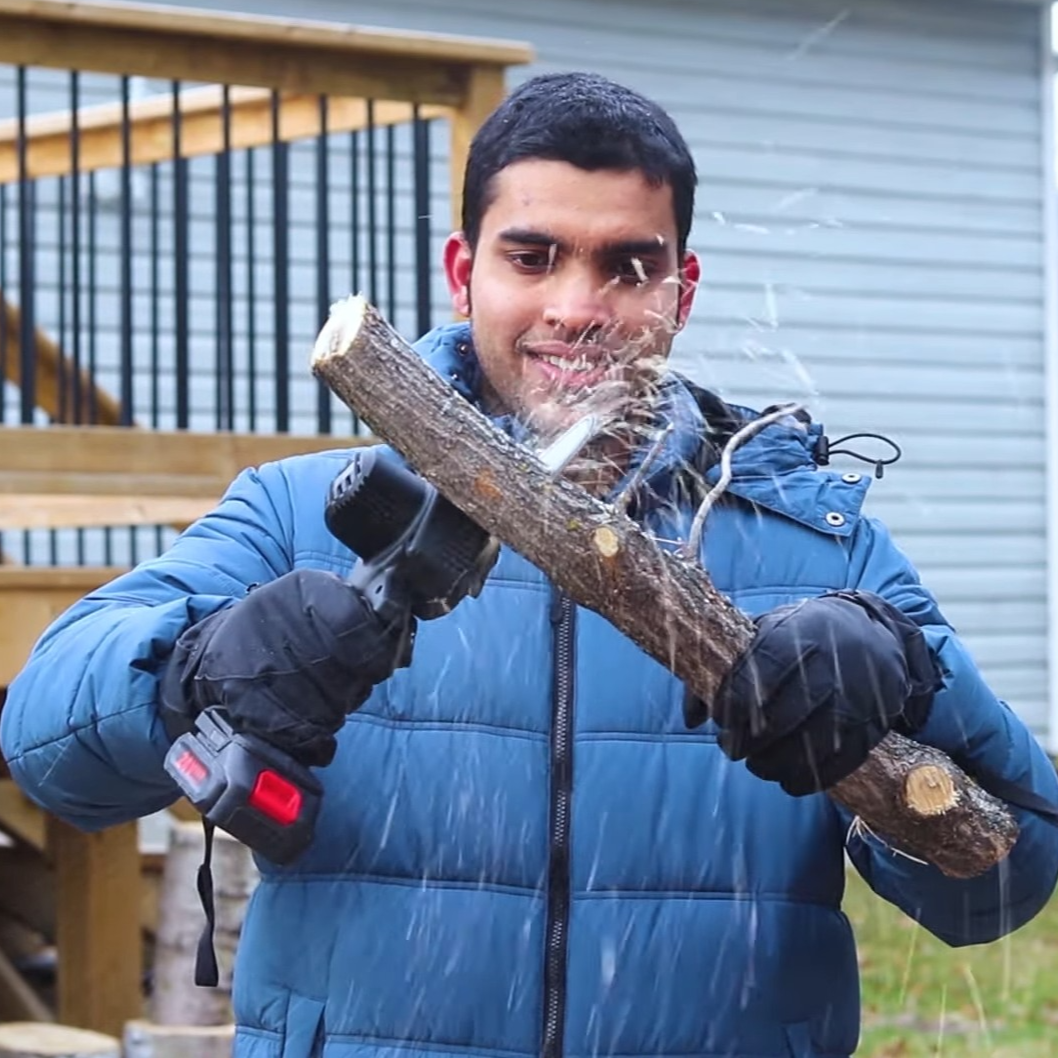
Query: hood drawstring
824	449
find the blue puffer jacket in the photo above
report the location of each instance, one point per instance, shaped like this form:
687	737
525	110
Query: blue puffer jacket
680	907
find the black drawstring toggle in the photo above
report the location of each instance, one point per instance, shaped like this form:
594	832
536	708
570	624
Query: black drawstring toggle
824	451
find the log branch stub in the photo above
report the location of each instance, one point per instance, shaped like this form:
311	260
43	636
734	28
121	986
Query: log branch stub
921	802
603	560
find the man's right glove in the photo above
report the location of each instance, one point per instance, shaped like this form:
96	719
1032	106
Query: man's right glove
822	683
287	663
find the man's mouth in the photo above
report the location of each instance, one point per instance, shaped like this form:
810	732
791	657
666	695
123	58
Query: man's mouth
568	365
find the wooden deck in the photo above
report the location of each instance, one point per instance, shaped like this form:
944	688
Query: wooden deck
90	893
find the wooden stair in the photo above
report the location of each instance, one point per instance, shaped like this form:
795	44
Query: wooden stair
74	889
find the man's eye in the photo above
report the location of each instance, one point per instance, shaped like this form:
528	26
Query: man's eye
634	270
531	260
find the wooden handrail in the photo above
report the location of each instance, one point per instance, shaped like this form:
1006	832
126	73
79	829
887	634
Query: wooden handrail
47	137
352	41
316	57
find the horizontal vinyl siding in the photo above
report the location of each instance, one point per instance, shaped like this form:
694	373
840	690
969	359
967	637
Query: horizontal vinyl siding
871	227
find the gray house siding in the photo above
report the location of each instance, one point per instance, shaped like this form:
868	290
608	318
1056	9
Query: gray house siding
871	222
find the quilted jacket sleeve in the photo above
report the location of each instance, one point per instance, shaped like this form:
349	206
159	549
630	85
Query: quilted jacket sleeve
80	729
981	734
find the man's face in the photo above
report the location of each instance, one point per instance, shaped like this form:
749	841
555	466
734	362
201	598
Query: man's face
575	290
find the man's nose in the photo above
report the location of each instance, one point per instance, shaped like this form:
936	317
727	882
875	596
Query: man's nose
578	301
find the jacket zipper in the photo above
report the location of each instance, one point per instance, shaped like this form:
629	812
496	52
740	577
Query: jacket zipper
558	880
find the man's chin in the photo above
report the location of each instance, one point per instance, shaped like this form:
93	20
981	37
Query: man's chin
613	400
548	419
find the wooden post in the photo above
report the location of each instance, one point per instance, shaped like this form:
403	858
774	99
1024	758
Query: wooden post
97	925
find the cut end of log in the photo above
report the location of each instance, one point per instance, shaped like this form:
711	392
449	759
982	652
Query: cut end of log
929	791
28	1039
916	800
144	1039
341	328
606	541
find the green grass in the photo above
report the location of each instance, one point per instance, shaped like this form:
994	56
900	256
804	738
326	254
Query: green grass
921	998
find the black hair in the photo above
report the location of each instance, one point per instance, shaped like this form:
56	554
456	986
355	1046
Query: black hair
588	121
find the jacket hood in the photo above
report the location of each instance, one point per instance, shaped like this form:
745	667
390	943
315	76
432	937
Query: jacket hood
776	469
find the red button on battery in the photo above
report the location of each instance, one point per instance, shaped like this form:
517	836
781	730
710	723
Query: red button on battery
275	797
190	766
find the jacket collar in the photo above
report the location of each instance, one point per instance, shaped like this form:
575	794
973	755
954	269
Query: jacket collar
767	470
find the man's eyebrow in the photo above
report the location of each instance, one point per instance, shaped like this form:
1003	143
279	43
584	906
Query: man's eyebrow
635	247
530	237
618	248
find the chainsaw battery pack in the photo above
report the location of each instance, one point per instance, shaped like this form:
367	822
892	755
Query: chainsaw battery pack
246	787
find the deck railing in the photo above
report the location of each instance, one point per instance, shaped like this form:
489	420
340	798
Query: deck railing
183	195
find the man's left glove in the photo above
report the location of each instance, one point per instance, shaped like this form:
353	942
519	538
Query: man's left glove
822	683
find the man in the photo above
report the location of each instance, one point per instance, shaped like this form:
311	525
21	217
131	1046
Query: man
530	842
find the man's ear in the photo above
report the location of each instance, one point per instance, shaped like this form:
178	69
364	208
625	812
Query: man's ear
458	259
690	274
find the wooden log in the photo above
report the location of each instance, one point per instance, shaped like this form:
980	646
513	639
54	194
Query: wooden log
29	1039
144	1039
603	560
176	1000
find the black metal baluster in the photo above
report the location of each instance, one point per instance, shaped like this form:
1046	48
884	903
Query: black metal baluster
27	233
354	212
372	207
93	330
62	368
26	283
391	224
155	321
354	233
181	265
77	390
251	296
77	397
126	389
281	265
62	380
93	333
423	262
225	394
156	294
323	258
77	393
125	255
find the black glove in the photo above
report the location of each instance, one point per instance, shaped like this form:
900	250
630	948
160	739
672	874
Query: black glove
286	664
820	686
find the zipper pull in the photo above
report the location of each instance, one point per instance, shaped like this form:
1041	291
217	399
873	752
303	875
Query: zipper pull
558	606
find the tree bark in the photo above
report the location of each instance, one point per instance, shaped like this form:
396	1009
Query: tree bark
604	561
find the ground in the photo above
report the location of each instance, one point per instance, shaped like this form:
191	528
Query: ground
921	998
